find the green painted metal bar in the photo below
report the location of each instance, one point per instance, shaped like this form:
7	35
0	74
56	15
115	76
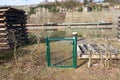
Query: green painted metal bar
75	51
63	66
58	39
48	52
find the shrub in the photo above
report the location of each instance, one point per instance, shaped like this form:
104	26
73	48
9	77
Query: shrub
32	38
97	8
53	9
80	9
31	11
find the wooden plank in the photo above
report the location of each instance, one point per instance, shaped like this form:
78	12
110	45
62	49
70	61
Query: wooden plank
83	49
2	24
11	9
3	10
5	43
79	52
98	56
2	19
4	7
90	48
3	34
2	29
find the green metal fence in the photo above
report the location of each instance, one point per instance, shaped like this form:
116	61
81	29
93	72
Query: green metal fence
61	52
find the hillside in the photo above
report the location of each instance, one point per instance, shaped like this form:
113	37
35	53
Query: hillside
68	12
95	16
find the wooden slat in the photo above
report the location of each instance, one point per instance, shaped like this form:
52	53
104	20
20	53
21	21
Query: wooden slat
1	29
3	10
11	9
98	56
3	34
91	48
4	7
2	13
5	43
2	19
83	49
2	24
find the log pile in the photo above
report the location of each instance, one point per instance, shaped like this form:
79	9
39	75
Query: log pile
12	28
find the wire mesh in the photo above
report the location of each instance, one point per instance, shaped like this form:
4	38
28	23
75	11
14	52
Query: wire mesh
61	53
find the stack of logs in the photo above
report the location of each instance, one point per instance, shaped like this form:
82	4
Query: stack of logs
12	28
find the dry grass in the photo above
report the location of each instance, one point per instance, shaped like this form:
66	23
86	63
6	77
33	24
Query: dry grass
31	63
38	70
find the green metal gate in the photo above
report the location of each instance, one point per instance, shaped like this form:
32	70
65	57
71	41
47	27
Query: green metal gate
61	52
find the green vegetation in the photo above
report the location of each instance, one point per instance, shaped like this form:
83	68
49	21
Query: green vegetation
80	9
34	37
55	6
113	1
53	9
70	4
97	7
50	7
31	11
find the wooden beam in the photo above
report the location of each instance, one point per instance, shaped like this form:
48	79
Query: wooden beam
5	43
98	56
11	9
3	34
2	24
2	19
3	10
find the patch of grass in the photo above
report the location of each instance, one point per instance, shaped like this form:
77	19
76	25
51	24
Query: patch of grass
8	55
34	37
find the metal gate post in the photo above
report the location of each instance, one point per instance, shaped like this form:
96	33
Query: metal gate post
74	49
48	57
